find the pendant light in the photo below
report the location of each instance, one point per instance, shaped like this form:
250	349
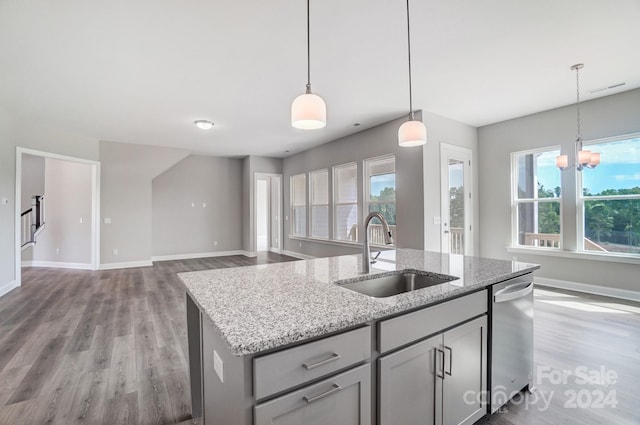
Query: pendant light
308	111
584	158
412	132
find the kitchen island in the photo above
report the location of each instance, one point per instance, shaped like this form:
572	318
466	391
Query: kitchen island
286	343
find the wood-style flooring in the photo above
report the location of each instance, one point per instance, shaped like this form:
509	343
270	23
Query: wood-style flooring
110	347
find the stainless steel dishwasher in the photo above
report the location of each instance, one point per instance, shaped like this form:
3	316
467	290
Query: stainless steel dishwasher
511	339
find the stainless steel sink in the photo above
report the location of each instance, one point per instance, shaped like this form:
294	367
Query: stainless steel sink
390	285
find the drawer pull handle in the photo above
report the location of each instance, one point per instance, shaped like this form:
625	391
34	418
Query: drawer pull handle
333	358
450	360
334	389
439	351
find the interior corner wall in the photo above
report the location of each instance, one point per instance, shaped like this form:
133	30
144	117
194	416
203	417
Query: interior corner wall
369	143
196	207
127	171
18	131
603	117
66	236
250	166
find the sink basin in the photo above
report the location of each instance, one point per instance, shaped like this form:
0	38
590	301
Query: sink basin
388	286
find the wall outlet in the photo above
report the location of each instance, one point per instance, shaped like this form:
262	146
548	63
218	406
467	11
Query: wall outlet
218	366
107	220
215	243
299	244
193	205
204	205
115	251
57	251
81	220
5	201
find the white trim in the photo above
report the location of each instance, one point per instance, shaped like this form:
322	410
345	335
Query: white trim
329	242
8	287
595	256
58	265
297	255
606	291
249	254
275	250
126	265
197	255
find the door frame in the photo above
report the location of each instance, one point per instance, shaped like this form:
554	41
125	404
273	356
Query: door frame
95	205
279	227
447	152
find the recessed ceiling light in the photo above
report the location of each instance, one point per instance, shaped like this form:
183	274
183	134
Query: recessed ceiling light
203	124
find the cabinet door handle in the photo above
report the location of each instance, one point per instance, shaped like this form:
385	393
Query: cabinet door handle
333	358
439	351
334	389
450	360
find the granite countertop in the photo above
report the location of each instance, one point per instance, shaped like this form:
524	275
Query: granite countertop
257	308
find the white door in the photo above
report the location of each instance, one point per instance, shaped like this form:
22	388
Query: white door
457	200
267	212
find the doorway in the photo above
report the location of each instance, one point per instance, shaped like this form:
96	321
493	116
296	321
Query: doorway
457	200
268	212
88	219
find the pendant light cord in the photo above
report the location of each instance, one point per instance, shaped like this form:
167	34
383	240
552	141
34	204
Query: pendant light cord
409	51
308	51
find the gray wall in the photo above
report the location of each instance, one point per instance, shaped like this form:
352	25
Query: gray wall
376	141
17	131
64	238
127	172
250	166
603	117
32	184
179	228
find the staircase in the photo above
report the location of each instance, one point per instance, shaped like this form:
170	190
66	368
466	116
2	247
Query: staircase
32	221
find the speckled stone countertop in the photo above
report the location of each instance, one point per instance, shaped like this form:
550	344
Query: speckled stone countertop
257	308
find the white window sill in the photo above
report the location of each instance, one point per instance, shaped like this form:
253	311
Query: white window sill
611	257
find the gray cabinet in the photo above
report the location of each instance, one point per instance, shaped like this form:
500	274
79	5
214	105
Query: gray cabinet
344	399
438	380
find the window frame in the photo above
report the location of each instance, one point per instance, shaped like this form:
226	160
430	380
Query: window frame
516	202
310	228
293	205
580	200
366	195
337	204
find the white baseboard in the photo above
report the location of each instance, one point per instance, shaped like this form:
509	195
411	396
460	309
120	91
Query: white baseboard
249	254
624	294
297	255
57	265
197	255
126	265
8	287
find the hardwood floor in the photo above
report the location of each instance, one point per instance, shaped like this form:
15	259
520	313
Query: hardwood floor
106	347
110	347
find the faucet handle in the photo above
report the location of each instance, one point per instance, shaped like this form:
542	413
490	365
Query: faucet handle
375	257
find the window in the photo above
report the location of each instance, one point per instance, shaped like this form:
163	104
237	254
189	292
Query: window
299	205
536	197
319	191
380	194
345	201
609	201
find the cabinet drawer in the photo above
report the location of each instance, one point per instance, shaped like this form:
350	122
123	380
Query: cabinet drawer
288	368
404	329
344	399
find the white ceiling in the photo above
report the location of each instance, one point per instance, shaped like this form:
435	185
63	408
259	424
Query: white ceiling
143	71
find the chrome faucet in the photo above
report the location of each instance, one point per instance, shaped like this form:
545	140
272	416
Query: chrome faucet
388	239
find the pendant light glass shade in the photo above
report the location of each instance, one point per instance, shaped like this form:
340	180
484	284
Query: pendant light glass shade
562	161
595	159
412	133
308	112
584	157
